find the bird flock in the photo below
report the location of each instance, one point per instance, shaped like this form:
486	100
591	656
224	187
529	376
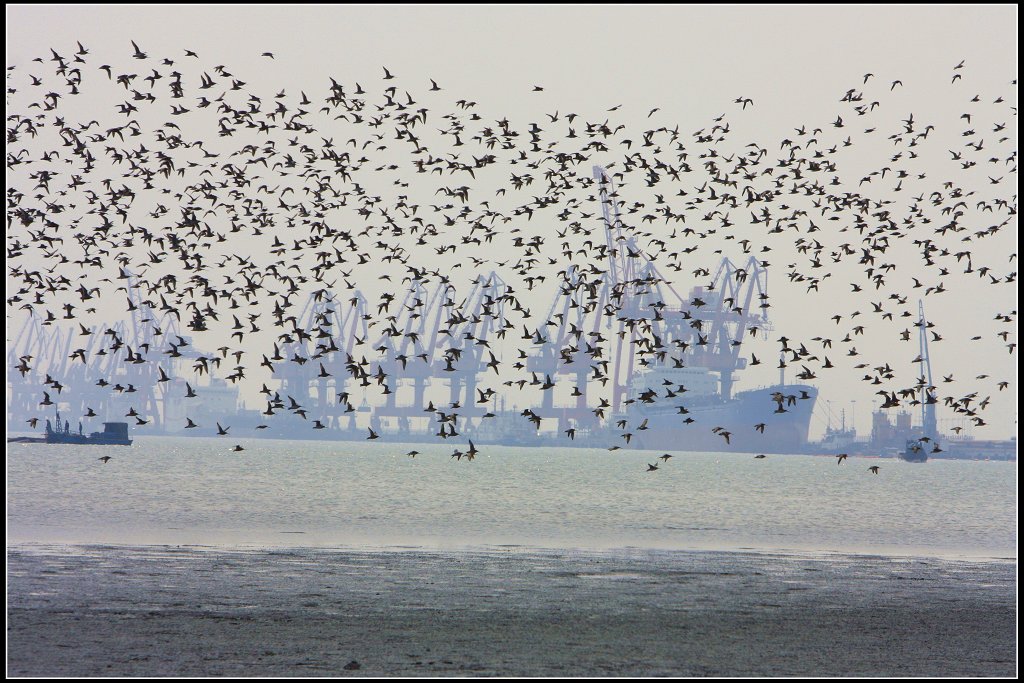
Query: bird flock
168	174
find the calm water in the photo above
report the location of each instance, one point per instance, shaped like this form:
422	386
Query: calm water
196	491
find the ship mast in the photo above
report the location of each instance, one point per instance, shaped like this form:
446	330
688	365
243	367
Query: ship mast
928	400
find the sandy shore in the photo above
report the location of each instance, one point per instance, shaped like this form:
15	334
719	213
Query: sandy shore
175	611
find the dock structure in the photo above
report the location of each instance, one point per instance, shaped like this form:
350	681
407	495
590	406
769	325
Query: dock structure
607	324
311	361
118	366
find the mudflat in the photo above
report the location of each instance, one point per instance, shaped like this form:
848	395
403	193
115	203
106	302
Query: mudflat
512	611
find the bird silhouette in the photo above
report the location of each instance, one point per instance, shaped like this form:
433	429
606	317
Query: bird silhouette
265	198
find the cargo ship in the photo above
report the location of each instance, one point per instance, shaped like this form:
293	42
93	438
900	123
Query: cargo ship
774	419
731	426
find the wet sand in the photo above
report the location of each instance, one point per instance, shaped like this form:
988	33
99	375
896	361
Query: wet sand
176	611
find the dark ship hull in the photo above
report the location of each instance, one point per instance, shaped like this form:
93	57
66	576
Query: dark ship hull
113	434
95	439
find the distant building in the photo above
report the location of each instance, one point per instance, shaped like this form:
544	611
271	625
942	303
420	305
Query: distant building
216	401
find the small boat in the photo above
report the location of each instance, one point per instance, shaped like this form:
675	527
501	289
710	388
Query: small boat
915	451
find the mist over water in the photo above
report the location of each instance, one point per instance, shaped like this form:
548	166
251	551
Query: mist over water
278	493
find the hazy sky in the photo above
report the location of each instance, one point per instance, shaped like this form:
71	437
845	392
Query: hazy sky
691	63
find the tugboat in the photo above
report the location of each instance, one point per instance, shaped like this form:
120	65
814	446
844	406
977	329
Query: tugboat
915	451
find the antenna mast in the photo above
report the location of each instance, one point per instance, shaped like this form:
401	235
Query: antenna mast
928	400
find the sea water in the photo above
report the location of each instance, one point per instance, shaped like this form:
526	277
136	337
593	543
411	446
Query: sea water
319	493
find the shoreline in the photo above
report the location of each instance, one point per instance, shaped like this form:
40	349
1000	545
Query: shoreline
540	548
166	610
814	449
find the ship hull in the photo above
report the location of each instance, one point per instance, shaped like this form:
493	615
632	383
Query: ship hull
784	431
113	434
666	429
87	440
914	452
